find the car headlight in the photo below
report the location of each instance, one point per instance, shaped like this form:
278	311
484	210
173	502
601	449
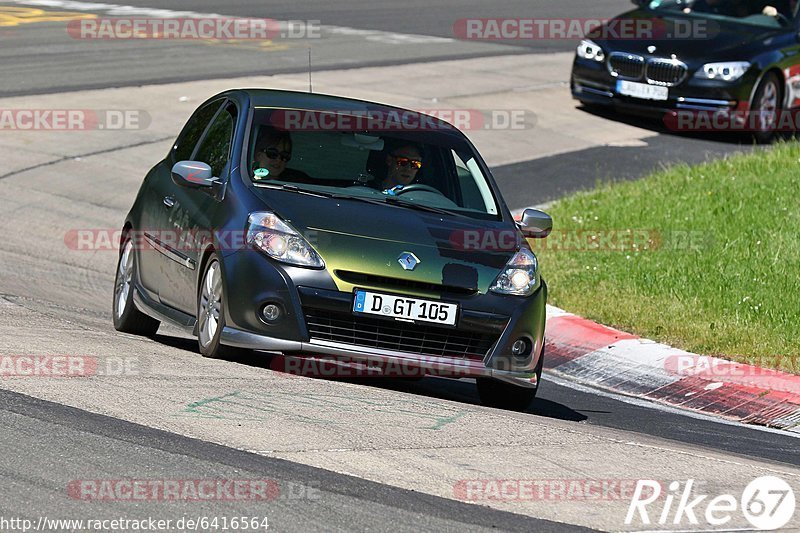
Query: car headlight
520	275
271	235
728	71
590	50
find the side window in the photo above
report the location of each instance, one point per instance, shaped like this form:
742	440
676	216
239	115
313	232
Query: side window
191	133
470	194
215	147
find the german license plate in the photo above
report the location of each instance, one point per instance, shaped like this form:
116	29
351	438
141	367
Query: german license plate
642	90
405	308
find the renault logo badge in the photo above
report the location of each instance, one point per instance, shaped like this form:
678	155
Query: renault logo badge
651	49
408	261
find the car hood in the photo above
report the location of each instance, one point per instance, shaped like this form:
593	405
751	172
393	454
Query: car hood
721	36
357	238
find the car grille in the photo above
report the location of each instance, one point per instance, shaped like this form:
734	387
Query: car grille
665	71
358	278
398	336
624	65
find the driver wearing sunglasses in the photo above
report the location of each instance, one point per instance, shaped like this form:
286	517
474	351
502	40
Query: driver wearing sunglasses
273	152
403	163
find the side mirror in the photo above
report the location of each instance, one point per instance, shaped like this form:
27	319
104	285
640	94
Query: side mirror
535	224
193	174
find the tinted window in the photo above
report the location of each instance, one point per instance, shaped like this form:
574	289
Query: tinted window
746	11
191	133
340	153
216	145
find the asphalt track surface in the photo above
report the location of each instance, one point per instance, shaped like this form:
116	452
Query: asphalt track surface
337	503
53	60
43	58
45	444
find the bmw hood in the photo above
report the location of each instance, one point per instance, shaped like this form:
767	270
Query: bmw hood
696	39
358	239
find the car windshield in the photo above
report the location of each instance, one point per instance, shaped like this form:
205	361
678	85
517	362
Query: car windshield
769	13
403	159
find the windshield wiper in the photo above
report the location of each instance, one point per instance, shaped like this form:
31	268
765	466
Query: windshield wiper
391	200
394	200
293	188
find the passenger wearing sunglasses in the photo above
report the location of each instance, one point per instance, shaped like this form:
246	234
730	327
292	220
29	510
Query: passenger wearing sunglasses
273	152
403	163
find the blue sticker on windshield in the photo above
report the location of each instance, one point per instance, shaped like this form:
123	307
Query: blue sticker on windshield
393	191
261	173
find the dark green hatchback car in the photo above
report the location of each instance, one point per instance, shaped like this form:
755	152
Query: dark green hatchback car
336	230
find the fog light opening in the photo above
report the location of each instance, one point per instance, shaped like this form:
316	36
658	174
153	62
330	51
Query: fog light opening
521	348
271	313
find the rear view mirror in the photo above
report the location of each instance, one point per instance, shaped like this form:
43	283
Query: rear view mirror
363	142
193	174
535	224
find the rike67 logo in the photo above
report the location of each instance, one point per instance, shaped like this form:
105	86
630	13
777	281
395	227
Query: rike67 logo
768	503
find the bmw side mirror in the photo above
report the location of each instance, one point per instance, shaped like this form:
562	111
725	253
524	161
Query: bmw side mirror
193	174
535	224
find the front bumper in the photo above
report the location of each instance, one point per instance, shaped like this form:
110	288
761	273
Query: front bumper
318	320
592	83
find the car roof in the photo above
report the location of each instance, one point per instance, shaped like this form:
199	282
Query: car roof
274	98
280	98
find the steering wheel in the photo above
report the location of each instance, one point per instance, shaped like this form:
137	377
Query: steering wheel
417	187
783	19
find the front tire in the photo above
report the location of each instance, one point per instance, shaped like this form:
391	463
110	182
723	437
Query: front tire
503	395
766	107
127	318
211	313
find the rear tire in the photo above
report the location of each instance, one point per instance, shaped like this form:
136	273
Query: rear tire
211	314
766	105
127	318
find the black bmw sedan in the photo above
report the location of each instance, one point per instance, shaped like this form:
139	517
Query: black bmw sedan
311	225
738	59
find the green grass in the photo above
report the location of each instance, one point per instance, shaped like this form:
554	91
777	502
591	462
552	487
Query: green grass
720	273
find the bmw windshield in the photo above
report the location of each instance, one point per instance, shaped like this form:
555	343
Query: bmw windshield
403	159
767	13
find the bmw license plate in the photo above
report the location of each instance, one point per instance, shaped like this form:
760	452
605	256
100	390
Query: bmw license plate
642	90
405	308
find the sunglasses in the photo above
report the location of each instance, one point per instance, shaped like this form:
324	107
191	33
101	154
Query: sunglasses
407	162
274	153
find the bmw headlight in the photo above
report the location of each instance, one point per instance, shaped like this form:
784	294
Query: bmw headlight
590	50
520	276
271	235
728	71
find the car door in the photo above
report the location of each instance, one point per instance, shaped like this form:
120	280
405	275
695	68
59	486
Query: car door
194	210
791	64
158	258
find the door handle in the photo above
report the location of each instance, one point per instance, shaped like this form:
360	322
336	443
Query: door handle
169	201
